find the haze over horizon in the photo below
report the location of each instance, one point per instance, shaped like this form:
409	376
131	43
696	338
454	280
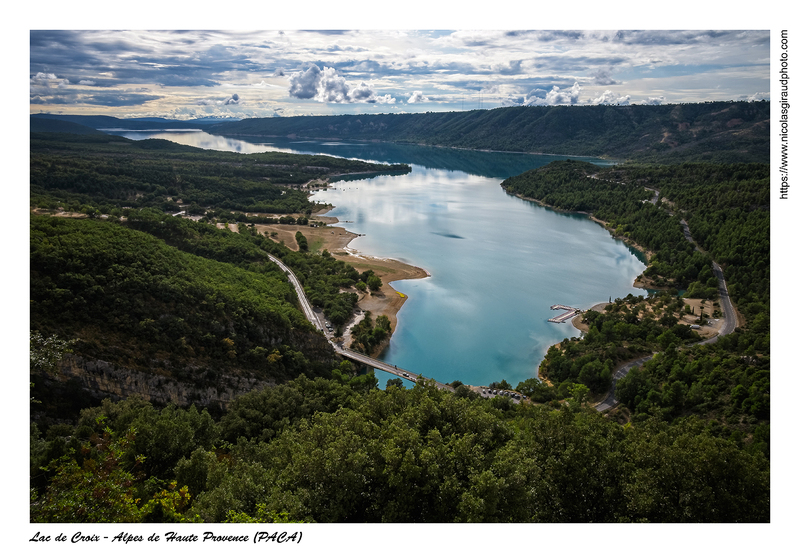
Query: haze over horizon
194	74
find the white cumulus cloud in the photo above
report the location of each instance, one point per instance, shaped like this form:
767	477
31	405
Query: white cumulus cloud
609	97
43	78
555	97
417	97
326	85
654	101
47	79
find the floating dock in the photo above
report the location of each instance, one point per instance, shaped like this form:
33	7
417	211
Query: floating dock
564	317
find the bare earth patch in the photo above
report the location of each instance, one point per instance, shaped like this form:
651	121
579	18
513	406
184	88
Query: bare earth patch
59	213
709	329
233	227
333	239
387	301
577	321
646	282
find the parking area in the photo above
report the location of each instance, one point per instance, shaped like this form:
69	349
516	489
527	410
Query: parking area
489	393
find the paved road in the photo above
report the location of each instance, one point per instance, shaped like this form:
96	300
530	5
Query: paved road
610	400
730	321
308	310
729	324
380	365
688	235
656	193
312	316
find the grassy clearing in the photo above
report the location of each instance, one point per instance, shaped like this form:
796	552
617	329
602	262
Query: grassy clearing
362	266
316	244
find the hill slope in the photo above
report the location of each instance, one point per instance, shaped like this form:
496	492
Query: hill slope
718	131
133	301
39	124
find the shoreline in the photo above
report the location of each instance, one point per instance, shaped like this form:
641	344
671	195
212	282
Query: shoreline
616	161
639	281
386	301
697	304
577	323
383	302
641	249
391	309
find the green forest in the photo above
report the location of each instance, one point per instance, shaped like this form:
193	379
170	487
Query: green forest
724	384
169	298
269	425
339	450
104	174
724	132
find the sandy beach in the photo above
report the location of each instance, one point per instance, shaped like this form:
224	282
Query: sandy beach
387	301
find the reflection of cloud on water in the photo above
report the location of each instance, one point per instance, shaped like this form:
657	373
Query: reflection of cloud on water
200	139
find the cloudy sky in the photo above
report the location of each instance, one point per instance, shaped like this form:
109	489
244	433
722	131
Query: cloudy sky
275	73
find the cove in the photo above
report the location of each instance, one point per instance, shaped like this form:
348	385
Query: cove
497	262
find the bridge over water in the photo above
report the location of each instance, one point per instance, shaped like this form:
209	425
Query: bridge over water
381	366
313	317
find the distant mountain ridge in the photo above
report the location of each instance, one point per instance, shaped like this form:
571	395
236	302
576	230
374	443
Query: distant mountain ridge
134	124
40	124
712	131
722	132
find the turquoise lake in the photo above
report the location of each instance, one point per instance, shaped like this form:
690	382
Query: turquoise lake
497	262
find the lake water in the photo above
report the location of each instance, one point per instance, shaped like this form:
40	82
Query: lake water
497	262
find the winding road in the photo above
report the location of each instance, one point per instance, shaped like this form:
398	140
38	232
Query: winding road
314	318
308	310
729	324
610	400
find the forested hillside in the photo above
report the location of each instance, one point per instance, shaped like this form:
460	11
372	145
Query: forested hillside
105	174
727	210
713	131
61	126
177	300
127	298
167	301
338	451
108	122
